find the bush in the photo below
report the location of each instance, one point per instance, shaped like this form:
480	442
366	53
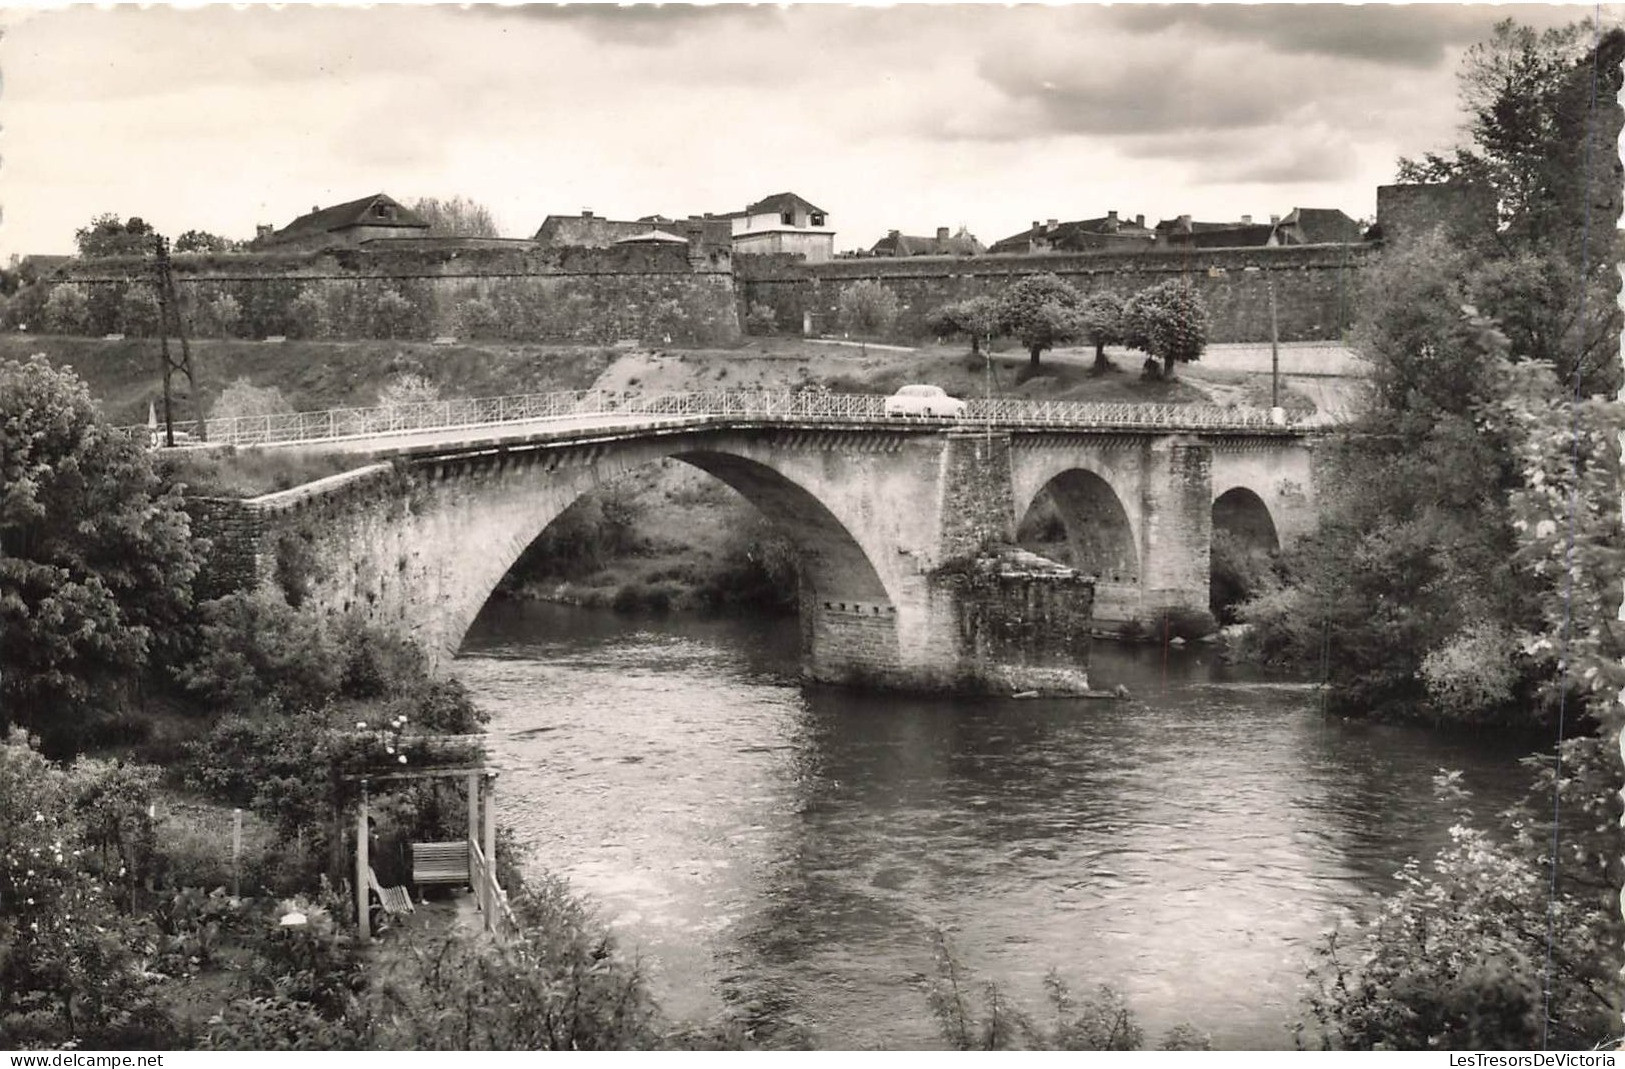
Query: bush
67	310
242	399
407	390
761	319
254	648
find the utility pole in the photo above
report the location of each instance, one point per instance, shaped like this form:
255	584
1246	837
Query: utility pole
169	303
1275	346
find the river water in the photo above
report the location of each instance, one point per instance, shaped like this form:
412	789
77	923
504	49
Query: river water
799	851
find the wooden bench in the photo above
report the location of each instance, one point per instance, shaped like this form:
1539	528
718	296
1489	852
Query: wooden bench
439	863
393	900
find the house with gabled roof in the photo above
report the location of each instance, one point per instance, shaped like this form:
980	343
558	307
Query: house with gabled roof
350	223
896	243
1316	226
1106	232
783	223
1184	232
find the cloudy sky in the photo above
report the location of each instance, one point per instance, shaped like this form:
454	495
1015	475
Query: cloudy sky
910	118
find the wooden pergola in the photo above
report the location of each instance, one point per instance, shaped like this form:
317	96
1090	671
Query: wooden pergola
472	861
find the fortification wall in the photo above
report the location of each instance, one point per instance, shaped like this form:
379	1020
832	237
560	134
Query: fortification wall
1315	285
525	293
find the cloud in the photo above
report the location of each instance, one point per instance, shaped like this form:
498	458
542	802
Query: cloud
644	25
1404	35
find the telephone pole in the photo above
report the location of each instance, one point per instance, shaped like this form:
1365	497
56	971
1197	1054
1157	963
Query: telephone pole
169	304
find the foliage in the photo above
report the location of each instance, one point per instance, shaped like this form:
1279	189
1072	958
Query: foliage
108	235
218	316
243	400
252	648
1415	544
1541	134
1168	322
67	310
976	318
458	217
1479	953
1101	323
70	973
138	312
393	316
1241	572
866	308
203	241
308	315
589	533
408	389
761	319
1040	311
97	565
561	984
478	318
1101	1021
759	569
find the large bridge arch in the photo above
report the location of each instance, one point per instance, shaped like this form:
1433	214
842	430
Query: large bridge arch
1242	514
1102	537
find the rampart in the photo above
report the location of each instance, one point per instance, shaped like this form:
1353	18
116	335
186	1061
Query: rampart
1315	285
426	288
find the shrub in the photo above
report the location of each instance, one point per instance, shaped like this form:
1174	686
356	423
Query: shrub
242	399
251	648
479	318
761	319
308	315
407	389
67	310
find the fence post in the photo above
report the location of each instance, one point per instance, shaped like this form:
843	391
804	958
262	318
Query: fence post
490	815
362	866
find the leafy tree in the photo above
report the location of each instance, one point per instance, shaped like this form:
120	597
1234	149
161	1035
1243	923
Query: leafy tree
392	316
457	217
977	318
108	235
203	241
1543	124
139	312
478	318
1168	322
1413	553
243	399
866	308
1040	311
220	315
96	563
1100	322
407	389
70	974
309	315
67	310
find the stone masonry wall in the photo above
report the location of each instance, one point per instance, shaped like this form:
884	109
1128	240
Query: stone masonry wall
978	502
1315	285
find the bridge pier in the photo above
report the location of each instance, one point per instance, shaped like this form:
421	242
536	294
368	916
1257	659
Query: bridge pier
1176	529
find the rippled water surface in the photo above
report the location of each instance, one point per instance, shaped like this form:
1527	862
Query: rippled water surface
800	848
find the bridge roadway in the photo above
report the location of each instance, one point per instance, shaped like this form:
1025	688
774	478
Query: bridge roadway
464	425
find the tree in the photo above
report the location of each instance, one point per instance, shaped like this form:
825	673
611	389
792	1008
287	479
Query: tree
242	399
392	315
977	318
308	313
67	310
1543	124
138	311
203	241
1412	558
96	563
456	217
1167	321
108	235
1040	311
407	389
1100	322
478	318
866	308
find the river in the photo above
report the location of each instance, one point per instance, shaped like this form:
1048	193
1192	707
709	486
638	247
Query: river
799	850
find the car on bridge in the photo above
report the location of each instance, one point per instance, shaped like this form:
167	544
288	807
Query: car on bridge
923	400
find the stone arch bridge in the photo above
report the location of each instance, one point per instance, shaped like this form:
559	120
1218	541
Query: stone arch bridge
892	518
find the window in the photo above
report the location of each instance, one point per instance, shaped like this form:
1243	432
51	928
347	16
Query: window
818	219
787	218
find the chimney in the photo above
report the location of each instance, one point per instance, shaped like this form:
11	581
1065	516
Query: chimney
1275	220
1037	225
1049	224
1111	216
1185	221
264	230
1139	221
1246	220
586	213
314	208
893	234
942	233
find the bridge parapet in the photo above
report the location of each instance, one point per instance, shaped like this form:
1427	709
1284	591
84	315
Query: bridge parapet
715	406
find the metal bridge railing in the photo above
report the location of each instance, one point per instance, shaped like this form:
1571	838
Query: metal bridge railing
797	405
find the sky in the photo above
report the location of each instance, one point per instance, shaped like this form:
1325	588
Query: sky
907	118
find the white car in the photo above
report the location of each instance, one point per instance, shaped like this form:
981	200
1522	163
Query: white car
924	401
